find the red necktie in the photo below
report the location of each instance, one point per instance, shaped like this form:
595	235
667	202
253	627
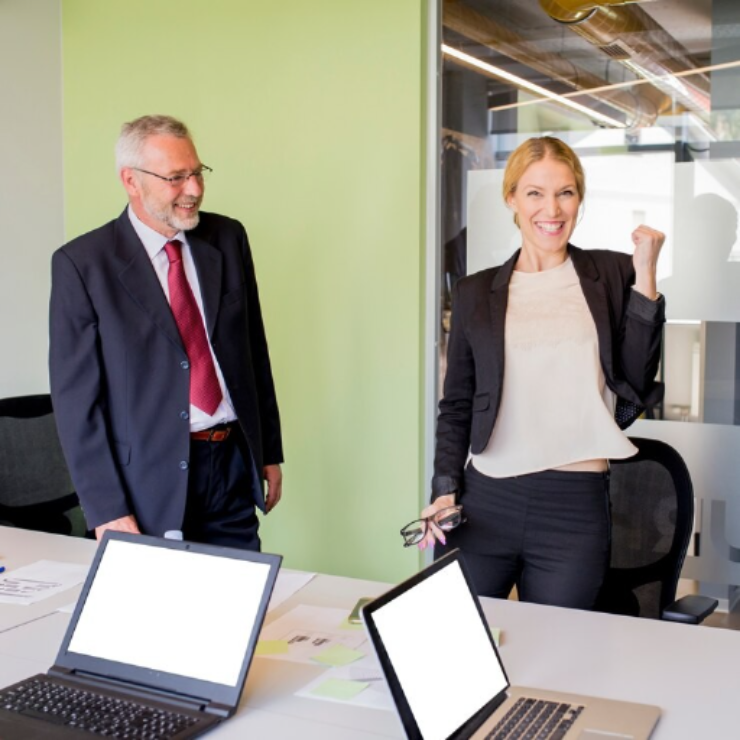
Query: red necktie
205	392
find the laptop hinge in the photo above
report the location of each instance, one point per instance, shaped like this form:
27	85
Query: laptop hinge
480	717
95	680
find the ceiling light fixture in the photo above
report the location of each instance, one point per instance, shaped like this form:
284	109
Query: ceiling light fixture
531	87
672	83
630	83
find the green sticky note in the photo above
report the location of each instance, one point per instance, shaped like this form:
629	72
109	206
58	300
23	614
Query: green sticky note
337	655
347	625
496	634
271	647
340	688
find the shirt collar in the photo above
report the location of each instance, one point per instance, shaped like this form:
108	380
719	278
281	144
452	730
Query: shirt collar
152	240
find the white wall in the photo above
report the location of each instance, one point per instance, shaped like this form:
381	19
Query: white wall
31	186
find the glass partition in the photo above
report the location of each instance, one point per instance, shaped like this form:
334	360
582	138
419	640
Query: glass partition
648	94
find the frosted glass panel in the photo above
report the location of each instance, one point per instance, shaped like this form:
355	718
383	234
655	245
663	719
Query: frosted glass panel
699	269
702	266
711	454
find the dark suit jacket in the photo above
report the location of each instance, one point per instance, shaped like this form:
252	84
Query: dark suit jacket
120	376
629	328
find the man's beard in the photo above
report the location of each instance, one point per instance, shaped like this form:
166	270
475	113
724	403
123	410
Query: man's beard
168	216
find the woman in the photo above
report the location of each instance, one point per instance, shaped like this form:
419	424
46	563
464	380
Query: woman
550	356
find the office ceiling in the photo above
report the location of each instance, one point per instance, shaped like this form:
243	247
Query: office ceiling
619	43
688	21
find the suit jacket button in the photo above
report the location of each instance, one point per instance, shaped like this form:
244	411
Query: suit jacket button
183	465
185	365
184	415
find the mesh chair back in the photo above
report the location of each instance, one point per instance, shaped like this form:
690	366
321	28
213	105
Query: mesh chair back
652	520
36	491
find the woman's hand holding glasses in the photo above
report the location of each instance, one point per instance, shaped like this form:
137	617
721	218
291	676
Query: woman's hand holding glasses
439	517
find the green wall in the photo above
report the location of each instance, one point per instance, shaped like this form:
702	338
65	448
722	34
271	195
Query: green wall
311	115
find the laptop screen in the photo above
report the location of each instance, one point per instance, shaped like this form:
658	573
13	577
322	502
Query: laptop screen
171	610
440	650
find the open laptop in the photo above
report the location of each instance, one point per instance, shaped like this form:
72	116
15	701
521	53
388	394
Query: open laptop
167	627
447	678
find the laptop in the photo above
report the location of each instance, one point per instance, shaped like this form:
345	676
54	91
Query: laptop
162	637
460	689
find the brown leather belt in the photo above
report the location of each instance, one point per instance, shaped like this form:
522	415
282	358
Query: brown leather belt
217	434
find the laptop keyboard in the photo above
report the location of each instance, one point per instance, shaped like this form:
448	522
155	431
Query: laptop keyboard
94	713
535	719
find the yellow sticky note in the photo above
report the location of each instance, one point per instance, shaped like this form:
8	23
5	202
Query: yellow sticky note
496	634
337	655
340	688
271	647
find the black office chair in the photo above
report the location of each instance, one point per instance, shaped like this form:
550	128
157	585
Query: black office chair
652	523
36	491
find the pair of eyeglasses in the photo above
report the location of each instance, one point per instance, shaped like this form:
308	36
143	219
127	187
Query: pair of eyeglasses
178	181
446	519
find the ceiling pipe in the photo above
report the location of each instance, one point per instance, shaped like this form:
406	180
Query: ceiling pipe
574	11
627	34
640	107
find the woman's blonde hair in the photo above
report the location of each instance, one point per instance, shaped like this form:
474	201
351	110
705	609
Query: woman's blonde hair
535	150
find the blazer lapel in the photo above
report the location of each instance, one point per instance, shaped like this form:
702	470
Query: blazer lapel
140	281
208	263
594	291
497	303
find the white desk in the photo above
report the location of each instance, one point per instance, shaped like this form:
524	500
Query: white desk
688	671
19	547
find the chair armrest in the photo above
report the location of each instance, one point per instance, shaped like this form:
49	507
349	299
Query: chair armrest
690	609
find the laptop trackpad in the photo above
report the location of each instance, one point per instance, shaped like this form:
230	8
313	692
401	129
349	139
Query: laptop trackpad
603	735
9	730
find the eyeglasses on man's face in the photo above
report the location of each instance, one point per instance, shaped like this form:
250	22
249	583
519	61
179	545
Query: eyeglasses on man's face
446	519
178	181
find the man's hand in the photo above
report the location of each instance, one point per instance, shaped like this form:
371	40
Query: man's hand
124	524
274	477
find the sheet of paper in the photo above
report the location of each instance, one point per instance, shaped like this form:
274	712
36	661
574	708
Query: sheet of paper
337	655
286	585
40	580
364	683
339	689
311	630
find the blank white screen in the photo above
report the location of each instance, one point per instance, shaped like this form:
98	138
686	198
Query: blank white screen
171	610
441	652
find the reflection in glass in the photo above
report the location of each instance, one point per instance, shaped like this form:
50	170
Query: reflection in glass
662	78
703	274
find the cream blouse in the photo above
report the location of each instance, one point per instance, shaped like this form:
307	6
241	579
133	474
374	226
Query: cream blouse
556	408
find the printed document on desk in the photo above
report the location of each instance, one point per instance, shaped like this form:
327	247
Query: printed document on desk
288	583
39	581
306	633
361	684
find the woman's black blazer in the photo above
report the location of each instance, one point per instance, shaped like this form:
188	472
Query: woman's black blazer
629	328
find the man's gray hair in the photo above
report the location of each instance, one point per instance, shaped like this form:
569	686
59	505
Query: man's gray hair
136	132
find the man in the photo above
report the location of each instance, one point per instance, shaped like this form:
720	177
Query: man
160	373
